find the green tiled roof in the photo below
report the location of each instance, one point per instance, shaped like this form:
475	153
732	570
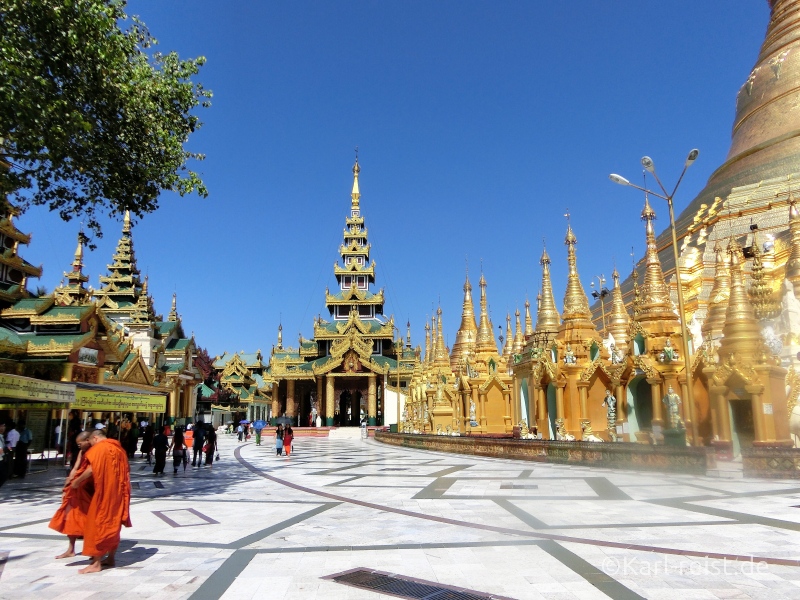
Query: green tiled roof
384	361
164	328
30	304
374	325
9	337
44	340
206	391
176	367
70	311
178	344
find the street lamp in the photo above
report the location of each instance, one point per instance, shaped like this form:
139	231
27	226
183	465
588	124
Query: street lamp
648	164
600	294
399	351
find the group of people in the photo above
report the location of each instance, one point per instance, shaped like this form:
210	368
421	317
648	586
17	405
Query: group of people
14	442
283	440
203	447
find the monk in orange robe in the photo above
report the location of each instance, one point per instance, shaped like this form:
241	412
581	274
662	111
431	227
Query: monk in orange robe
110	506
70	517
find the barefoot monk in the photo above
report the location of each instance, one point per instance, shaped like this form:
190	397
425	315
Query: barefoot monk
70	517
110	506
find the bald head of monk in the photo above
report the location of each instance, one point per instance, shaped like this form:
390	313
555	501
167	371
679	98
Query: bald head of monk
82	440
96	435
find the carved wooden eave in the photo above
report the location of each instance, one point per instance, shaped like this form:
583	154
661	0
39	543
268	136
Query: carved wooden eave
793	385
643	363
493	379
744	371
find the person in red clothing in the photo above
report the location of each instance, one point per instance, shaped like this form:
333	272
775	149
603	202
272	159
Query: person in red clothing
288	436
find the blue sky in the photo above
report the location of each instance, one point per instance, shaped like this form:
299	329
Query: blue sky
478	125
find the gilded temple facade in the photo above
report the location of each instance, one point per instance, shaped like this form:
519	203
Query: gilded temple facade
345	371
109	339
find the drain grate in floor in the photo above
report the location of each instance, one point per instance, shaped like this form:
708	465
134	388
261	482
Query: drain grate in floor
406	587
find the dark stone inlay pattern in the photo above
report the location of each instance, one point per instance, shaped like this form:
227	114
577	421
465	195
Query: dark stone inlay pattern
519	486
603	582
207	520
555	537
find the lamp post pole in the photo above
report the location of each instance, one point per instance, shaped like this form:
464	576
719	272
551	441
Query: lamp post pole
600	294
648	164
399	349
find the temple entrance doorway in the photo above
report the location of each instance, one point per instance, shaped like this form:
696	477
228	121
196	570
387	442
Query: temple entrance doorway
642	405
352	402
742	429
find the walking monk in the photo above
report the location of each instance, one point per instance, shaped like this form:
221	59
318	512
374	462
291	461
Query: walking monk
110	506
70	518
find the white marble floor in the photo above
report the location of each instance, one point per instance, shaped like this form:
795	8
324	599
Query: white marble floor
257	525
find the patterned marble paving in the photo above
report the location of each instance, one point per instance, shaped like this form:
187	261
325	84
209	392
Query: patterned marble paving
257	525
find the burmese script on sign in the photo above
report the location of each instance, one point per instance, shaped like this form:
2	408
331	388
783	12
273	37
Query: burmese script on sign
95	401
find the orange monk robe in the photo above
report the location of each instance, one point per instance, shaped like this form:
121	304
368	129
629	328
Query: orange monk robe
110	506
70	518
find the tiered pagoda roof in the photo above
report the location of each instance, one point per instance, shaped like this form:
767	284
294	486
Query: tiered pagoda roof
122	286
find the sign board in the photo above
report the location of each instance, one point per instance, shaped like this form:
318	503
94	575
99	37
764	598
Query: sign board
87	356
767	408
99	401
25	388
36	421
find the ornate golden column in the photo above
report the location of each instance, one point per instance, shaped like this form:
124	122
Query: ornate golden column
320	400
541	415
622	408
655	393
276	399
759	425
290	405
329	400
582	395
483	420
507	417
372	403
560	402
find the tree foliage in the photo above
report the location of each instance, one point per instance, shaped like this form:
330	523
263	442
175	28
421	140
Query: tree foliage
92	119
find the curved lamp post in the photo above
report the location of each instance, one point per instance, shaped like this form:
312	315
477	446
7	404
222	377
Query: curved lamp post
648	164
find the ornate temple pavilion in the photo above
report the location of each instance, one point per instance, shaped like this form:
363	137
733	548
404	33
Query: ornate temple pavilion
343	372
109	343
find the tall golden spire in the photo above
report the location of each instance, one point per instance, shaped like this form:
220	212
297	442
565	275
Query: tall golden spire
766	303
576	325
126	222
547	317
508	348
718	298
467	335
576	304
74	293
519	340
486	340
428	353
440	359
173	313
619	319
655	300
355	195
528	320
741	333
793	264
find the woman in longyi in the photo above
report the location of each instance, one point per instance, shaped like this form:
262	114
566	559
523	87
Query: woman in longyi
70	518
